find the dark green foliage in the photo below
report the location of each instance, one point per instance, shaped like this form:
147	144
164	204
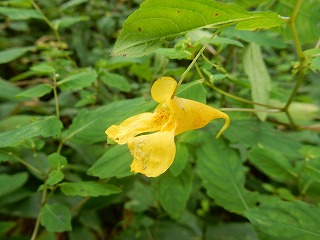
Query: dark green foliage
62	86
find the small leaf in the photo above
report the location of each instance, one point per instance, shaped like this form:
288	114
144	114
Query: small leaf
66	22
116	81
45	127
154	21
223	175
11	183
173	192
86	189
20	13
43	68
55	176
259	78
13	53
114	163
78	81
37	91
285	220
57	161
173	53
56	218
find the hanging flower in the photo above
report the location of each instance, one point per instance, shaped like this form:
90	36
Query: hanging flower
150	136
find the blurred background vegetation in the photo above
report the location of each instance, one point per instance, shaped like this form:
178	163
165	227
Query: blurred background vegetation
55	61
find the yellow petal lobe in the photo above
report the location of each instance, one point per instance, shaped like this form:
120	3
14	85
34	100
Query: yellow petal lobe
163	89
153	153
192	115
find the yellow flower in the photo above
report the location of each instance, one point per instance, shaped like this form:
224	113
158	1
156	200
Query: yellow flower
150	136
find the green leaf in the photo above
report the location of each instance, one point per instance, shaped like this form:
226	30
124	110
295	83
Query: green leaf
6	156
45	127
114	163
285	220
11	183
11	54
66	22
154	21
43	68
272	163
180	160
57	161
173	53
223	176
259	78
72	3
90	188
56	218
78	81
142	197
55	176
250	133
315	64
89	125
8	90
37	91
193	91
116	81
20	13
231	231
173	192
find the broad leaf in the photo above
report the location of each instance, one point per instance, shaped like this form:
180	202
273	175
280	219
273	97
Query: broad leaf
155	21
142	197
180	160
259	78
114	163
193	90
116	81
37	91
173	192
231	231
20	13
273	164
78	81
250	133
11	183
56	218
223	176
89	125
86	189
45	127
13	53
285	220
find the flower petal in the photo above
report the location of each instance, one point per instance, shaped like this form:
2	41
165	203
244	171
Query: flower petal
130	128
163	89
192	115
153	154
141	123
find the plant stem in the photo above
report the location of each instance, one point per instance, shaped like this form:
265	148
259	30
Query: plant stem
37	225
239	98
55	85
55	31
300	78
199	54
